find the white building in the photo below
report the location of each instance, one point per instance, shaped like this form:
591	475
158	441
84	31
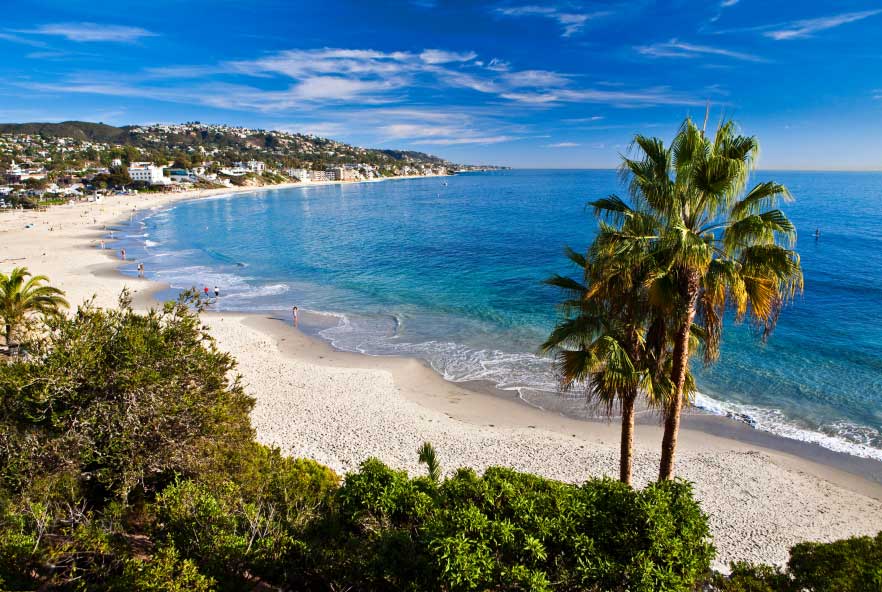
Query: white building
301	175
318	176
146	171
254	166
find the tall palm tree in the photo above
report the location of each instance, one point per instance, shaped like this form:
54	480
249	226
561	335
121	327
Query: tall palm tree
715	247
613	339
23	295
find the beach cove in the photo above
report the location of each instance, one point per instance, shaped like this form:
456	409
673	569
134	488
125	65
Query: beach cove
340	408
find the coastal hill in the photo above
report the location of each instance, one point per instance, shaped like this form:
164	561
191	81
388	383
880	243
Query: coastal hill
166	141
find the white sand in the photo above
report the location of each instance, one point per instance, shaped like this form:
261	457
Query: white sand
340	408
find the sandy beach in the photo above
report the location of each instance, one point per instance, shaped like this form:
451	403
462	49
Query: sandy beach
762	495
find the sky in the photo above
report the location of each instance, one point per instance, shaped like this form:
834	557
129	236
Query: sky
512	82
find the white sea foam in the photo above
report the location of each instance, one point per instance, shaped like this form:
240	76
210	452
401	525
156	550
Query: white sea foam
150	243
775	422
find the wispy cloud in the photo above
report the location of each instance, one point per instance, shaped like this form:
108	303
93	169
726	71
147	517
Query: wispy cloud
571	22
439	56
680	49
91	32
804	28
563	145
635	98
22	40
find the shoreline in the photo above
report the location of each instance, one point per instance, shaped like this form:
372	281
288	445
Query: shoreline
762	494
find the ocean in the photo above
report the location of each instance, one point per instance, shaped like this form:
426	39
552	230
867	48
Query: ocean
450	270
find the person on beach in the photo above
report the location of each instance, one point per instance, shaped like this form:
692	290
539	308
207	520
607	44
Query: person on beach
140	270
216	292
102	244
296	314
206	291
122	253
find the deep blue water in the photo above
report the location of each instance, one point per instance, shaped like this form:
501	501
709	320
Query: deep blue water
452	273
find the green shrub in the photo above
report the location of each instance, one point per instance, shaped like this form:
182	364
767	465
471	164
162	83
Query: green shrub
120	400
256	525
164	572
853	565
509	530
849	565
747	577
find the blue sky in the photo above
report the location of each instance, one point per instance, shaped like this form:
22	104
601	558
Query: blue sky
515	82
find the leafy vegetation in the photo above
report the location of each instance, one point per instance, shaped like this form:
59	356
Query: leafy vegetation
851	565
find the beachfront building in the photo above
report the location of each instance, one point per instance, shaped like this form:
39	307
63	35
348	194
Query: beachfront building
252	166
301	175
318	176
180	176
147	172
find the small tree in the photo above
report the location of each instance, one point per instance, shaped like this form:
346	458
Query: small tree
22	298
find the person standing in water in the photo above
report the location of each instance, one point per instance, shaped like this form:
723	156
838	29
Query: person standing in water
140	270
216	292
296	314
206	291
122	253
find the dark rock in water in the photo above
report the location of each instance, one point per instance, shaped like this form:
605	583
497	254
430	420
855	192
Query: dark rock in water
742	417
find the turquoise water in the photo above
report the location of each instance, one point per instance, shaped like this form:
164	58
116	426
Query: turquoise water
450	270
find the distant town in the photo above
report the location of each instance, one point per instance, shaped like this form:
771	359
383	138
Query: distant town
45	163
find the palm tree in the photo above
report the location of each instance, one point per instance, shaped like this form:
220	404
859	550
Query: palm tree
23	295
613	339
715	245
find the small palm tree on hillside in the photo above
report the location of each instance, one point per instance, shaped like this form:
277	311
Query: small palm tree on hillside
23	296
714	245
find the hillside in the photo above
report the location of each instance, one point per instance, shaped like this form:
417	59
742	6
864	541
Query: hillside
78	130
226	141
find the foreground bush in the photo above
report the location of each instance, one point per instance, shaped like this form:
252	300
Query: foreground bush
849	565
509	530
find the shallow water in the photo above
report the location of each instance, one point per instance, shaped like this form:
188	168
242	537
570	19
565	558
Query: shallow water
450	270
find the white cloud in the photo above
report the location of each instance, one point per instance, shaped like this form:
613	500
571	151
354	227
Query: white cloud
571	22
89	32
465	140
636	98
591	119
498	65
439	56
679	49
535	78
804	28
563	145
22	40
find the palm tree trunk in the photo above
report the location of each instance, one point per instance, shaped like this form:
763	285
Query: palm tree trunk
680	364
627	449
8	336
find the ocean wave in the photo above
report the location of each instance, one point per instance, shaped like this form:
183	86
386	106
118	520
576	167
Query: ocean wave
150	243
846	437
